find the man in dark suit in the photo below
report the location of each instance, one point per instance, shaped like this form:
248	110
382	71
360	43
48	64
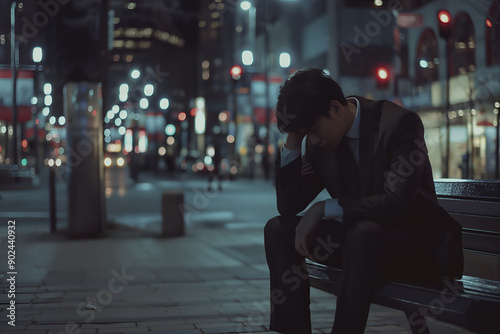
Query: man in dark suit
383	221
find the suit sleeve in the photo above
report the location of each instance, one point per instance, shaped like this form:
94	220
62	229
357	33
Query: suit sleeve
408	159
297	184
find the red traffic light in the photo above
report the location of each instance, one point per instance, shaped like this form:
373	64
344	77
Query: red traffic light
382	73
382	77
444	24
236	72
444	16
181	116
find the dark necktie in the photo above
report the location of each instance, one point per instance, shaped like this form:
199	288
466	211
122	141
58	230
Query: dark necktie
349	169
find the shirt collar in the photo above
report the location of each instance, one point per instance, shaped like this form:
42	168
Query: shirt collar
353	132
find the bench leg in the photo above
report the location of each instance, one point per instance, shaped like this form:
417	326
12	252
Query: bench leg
417	323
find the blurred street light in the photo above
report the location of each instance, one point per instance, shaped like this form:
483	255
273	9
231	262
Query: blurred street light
47	89
170	129
236	72
149	90
124	88
382	77
247	57
37	54
246	5
164	103
144	103
135	74
285	60
48	100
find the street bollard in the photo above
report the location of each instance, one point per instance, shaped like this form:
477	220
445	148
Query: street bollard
172	213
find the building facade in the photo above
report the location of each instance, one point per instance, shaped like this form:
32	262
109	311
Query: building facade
353	39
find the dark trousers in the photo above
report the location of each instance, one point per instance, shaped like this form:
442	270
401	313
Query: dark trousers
365	251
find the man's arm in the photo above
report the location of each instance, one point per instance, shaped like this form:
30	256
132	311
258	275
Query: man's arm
297	184
409	158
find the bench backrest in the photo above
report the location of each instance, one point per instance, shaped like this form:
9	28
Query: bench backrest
475	204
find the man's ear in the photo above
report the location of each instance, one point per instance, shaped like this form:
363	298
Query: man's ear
335	108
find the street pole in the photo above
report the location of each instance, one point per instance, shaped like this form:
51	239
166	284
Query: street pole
13	52
265	155
497	146
235	117
447	110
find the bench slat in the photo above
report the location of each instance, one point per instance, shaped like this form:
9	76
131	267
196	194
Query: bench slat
483	242
479	223
474	207
479	264
458	188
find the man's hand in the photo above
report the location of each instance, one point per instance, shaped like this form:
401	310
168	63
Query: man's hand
294	140
307	226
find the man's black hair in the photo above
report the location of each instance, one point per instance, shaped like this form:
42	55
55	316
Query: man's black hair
305	96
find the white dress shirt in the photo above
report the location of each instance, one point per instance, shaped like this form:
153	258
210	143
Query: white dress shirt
332	206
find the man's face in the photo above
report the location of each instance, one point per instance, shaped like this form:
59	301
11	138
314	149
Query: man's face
327	132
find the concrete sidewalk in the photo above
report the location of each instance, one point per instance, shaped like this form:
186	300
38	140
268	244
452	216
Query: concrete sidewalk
212	280
209	281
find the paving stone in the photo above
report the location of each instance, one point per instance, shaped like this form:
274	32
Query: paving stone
387	328
161	330
110	325
218	325
123	330
170	322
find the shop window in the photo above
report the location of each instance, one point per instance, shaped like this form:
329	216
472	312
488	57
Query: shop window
463	46
427	58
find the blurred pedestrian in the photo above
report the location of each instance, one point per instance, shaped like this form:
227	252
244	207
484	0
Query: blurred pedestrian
214	175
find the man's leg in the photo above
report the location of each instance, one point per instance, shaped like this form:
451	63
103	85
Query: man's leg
369	251
288	277
288	274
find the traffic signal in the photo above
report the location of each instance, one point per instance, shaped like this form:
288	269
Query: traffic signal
382	77
182	116
236	72
444	24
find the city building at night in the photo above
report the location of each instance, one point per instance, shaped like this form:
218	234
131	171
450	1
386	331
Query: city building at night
155	61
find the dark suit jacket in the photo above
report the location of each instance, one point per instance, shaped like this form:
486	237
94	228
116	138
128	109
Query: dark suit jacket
396	183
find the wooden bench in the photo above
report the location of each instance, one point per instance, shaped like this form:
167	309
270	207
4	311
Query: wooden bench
472	302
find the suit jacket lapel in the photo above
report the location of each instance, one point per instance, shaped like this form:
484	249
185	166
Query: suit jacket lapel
368	133
326	162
